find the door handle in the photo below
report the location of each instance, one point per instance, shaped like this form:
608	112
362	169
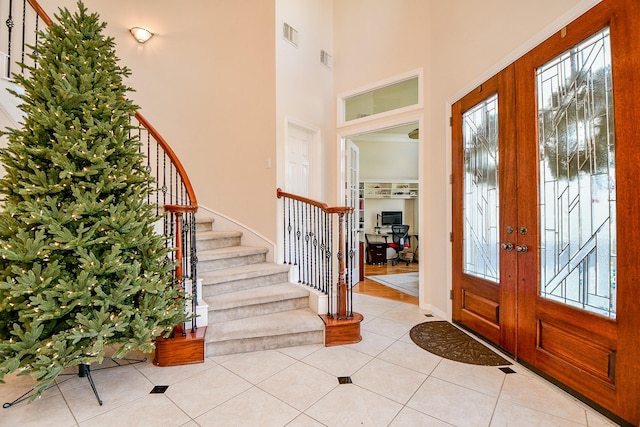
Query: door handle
521	248
506	247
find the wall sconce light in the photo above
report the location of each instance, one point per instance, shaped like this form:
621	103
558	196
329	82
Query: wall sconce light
141	34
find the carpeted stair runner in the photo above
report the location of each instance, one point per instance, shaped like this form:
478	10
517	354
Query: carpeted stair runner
252	306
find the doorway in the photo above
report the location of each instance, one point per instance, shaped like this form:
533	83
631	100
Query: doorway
542	187
388	182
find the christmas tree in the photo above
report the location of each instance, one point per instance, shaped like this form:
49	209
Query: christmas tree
81	268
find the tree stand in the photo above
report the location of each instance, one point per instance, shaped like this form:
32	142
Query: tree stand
84	371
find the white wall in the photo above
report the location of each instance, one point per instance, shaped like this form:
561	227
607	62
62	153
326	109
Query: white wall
304	88
385	160
207	82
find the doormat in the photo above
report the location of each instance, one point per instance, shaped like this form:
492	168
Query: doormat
445	340
405	282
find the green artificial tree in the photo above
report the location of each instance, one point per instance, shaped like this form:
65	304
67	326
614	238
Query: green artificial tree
81	268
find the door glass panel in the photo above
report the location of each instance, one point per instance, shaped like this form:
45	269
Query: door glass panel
577	177
480	210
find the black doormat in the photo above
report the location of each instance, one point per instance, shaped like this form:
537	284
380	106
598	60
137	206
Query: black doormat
445	340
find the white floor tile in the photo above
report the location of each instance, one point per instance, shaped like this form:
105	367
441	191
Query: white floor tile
253	407
151	410
372	343
339	361
195	396
386	327
299	385
259	365
509	414
410	356
389	380
453	404
52	409
539	395
485	379
411	418
350	405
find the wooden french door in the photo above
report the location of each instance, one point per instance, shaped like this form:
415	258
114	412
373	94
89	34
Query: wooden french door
568	238
484	165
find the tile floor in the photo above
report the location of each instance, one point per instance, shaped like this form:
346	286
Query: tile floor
394	383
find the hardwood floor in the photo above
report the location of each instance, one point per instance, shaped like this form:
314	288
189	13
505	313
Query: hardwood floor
369	287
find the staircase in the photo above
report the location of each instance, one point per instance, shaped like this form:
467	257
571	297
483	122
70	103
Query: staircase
252	304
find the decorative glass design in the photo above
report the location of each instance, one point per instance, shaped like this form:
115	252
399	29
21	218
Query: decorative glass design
481	206
577	178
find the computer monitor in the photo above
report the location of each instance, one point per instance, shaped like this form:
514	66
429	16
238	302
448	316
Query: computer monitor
391	218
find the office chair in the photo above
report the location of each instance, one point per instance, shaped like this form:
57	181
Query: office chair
399	241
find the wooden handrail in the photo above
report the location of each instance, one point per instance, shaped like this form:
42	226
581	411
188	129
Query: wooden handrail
40	11
323	206
172	156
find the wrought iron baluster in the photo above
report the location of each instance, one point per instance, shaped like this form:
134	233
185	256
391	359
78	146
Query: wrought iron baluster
297	242
24	29
10	24
194	269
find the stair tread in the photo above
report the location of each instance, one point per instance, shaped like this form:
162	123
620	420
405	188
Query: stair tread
243	272
213	234
261	295
204	219
230	252
282	323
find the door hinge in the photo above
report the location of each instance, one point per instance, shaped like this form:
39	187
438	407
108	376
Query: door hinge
451	294
450	121
451	236
451	179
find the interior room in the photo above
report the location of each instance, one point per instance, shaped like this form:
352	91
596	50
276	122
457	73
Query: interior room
388	197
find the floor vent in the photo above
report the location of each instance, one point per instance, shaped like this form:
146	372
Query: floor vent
159	389
290	34
344	380
507	370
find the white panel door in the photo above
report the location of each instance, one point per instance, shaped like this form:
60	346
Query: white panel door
299	160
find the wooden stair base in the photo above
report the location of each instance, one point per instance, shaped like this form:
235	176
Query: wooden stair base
340	332
180	350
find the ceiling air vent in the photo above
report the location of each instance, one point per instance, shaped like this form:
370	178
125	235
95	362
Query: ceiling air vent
326	59
290	34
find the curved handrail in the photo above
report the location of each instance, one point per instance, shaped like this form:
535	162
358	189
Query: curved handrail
40	11
323	206
172	156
